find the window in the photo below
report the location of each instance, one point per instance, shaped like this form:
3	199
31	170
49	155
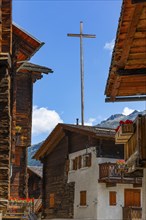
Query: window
34	185
18	154
79	162
52	200
74	163
87	160
83	198
112	198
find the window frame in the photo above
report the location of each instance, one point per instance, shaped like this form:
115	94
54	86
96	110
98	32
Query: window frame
112	198
83	198
51	200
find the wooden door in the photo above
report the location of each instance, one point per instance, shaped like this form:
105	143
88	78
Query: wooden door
132	197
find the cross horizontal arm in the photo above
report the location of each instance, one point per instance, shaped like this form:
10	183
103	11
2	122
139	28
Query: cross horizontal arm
82	35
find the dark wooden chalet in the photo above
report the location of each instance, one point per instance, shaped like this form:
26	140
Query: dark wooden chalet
16	87
127	82
127	73
58	194
35	186
26	74
34	181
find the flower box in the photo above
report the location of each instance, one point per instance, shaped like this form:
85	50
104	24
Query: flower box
121	166
21	204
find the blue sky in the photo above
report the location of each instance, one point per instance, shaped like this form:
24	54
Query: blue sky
56	97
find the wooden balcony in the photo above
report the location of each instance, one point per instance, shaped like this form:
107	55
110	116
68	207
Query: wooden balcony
132	213
124	133
135	147
109	174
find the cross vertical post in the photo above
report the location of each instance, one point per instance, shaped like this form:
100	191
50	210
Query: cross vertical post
81	36
82	72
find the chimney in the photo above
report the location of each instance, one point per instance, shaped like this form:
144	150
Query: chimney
77	121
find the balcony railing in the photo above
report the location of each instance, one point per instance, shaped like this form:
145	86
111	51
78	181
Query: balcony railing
132	213
109	173
37	204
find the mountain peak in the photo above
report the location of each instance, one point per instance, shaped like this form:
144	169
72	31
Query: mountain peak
134	112
113	120
112	117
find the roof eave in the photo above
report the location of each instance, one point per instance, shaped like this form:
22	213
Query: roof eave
59	132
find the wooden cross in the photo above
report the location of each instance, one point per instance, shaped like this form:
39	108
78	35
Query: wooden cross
81	36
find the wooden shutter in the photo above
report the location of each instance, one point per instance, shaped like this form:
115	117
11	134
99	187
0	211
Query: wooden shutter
67	166
88	160
83	198
73	166
112	198
75	163
79	162
18	153
52	200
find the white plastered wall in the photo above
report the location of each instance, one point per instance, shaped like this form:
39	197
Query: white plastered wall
86	179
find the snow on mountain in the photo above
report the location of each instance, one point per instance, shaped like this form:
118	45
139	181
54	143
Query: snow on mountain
113	120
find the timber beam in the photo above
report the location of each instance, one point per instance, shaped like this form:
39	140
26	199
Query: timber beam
126	99
131	72
138	1
5	59
115	88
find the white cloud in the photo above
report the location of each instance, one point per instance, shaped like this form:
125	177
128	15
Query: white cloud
44	120
90	121
127	111
109	45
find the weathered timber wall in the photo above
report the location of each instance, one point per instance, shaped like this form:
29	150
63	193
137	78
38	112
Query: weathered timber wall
5	132
24	107
104	147
34	186
13	101
5	99
19	180
6	26
19	174
142	138
137	142
77	142
131	146
55	181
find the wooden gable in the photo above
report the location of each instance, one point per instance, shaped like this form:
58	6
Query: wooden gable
127	74
25	45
